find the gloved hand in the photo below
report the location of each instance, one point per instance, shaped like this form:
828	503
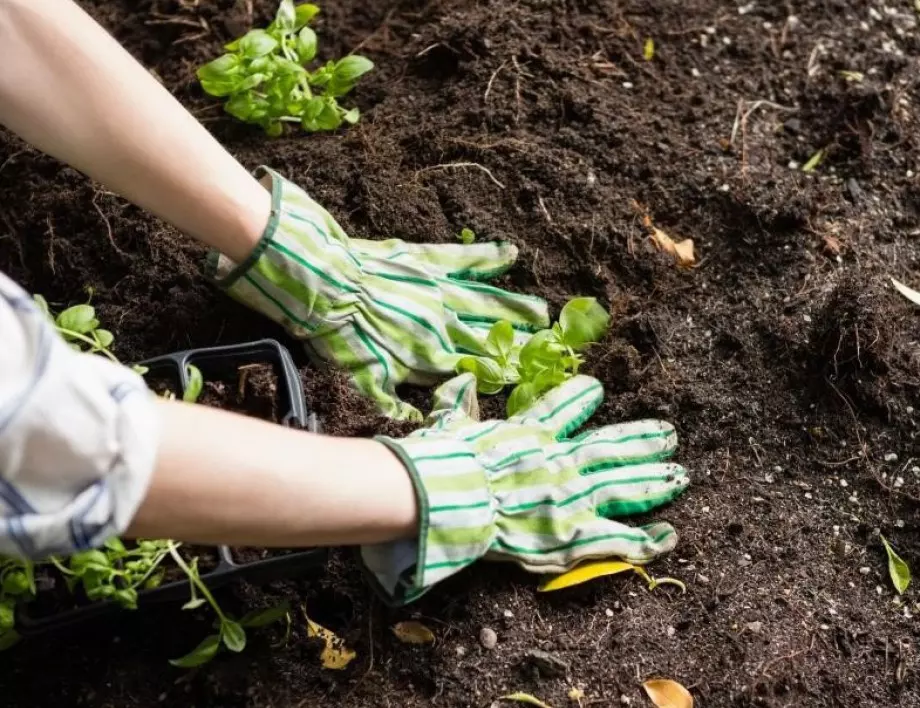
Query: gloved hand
387	311
520	490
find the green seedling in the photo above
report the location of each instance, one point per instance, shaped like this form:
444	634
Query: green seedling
550	356
264	77
115	572
467	236
17	586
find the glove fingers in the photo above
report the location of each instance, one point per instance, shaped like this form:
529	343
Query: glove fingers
481	306
635	489
478	261
616	446
564	408
600	539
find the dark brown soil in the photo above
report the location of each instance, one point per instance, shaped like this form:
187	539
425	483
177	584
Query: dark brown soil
788	364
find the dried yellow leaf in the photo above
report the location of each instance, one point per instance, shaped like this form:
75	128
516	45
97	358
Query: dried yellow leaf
413	633
335	654
648	51
524	698
584	573
682	251
665	693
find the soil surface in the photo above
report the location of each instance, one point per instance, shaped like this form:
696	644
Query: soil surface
785	359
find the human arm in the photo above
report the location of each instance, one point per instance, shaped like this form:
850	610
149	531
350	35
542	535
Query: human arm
222	478
68	88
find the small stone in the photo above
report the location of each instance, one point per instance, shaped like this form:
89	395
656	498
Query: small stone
608	612
627	84
705	509
592	179
755	627
793	165
460	650
769	478
695	73
909	410
703	579
898	482
807	318
625	700
844	483
808	495
878	590
891	457
508	614
670	631
488	638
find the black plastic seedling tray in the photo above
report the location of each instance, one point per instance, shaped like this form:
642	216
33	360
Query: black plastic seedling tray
213	362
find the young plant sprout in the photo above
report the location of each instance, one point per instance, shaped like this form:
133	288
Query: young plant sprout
549	357
117	572
264	78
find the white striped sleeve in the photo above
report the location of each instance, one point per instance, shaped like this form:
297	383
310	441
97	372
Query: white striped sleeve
78	437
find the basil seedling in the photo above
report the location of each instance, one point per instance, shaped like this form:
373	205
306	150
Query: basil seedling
264	77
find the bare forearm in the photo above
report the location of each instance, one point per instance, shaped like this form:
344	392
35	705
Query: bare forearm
71	90
224	478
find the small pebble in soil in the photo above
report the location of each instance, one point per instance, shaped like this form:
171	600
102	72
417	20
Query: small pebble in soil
891	457
608	612
844	483
488	638
508	614
671	631
898	482
627	84
755	627
460	650
625	700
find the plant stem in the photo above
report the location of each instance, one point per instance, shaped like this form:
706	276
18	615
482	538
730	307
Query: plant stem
195	580
91	342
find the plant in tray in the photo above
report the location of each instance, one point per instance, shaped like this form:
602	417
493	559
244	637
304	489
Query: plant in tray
264	77
548	358
118	572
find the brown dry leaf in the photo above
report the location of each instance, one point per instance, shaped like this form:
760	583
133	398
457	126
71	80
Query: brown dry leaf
682	251
413	633
524	698
335	654
665	693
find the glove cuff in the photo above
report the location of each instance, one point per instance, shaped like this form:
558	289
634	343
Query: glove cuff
456	512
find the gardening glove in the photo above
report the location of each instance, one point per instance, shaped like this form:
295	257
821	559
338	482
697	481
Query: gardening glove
387	311
520	490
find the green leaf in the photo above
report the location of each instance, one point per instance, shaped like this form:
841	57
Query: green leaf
500	340
542	351
523	395
79	318
115	544
233	635
329	118
583	321
261	618
489	378
273	129
897	568
257	43
286	16
304	13
7	617
201	654
194	603
351	68
126	597
195	384
224	67
15	583
351	117
93	558
306	45
103	338
467	236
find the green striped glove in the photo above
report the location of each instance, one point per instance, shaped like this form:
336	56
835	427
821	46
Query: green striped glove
520	490
387	311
